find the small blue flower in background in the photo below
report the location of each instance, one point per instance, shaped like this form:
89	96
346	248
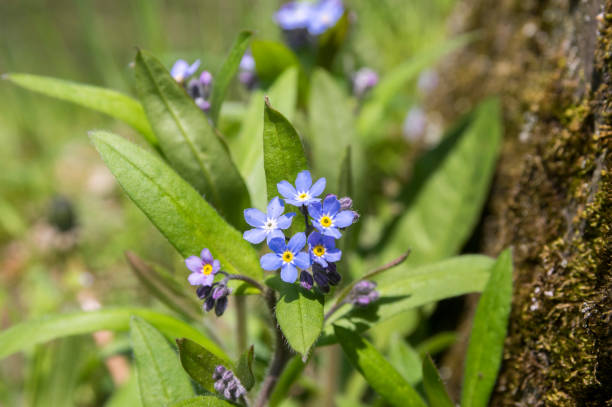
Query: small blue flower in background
287	257
328	218
323	249
203	268
364	80
247	75
294	15
181	70
304	192
267	225
325	14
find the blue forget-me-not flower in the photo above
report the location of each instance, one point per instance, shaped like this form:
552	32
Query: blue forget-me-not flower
304	192
325	14
328	219
323	249
287	256
268	225
203	268
181	70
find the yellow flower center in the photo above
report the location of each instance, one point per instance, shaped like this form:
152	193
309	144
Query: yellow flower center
303	196
287	256
207	269
319	250
325	221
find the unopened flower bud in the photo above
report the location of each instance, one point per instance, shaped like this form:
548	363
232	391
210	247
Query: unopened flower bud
220	291
363	293
203	104
203	291
209	303
219	371
219	386
230	390
345	203
221	306
306	280
322	281
206	78
333	276
364	287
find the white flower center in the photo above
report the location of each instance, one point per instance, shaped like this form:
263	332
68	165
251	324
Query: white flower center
270	224
303	196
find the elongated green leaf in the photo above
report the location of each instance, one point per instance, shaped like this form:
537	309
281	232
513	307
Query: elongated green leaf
379	373
164	287
331	125
204	401
227	72
434	388
161	380
405	360
271	59
405	287
247	148
188	140
174	207
299	313
283	151
110	102
292	372
484	352
374	109
27	334
199	362
448	190
244	368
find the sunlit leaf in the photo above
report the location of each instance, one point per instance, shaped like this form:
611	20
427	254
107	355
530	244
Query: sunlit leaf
244	368
434	388
204	401
199	362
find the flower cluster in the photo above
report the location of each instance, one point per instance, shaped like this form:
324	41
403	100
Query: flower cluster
324	222
363	293
198	88
227	384
301	19
203	270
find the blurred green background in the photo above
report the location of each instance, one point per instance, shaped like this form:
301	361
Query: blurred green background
51	177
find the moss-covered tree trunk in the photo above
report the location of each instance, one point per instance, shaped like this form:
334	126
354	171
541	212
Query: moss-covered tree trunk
551	63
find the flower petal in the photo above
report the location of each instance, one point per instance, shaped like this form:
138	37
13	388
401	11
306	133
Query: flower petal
286	189
289	273
314	238
255	235
333	232
297	242
254	217
303	181
206	256
194	263
270	261
331	205
275	234
193	68
319	260
314	210
207	279
196	278
344	219
328	242
275	208
333	255
284	221
216	266
277	245
302	260
179	68
318	187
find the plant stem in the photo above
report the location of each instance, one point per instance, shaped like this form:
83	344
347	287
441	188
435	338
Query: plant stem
247	280
282	354
308	225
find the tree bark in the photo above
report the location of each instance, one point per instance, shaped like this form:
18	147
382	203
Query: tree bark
550	61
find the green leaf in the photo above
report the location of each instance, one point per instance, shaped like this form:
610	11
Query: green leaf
299	313
434	388
379	373
247	148
165	287
271	59
161	380
110	102
331	41
283	152
188	140
244	369
484	352
227	72
405	359
404	288
204	401
174	207
331	125
449	188
199	362
27	334
373	110
290	374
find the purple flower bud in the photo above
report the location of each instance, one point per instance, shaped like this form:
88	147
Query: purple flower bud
240	392
221	306
209	304
345	203
333	276
248	79
306	280
230	390
219	386
364	287
415	124
219	371
203	104
364	80
194	89
363	293
322	281
220	291
203	291
206	78
228	376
